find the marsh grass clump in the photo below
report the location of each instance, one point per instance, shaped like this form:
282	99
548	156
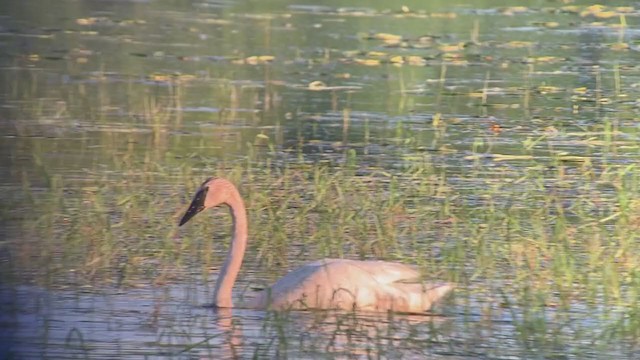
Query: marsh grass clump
90	232
120	228
550	238
350	334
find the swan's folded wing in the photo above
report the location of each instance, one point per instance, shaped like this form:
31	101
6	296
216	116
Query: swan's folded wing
388	272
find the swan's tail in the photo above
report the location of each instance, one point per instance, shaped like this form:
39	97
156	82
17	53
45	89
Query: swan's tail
433	293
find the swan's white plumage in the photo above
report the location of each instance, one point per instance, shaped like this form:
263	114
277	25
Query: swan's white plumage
350	284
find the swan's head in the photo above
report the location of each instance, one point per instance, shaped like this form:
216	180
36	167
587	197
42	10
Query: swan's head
212	192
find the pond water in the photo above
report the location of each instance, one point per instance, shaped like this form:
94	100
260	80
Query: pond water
493	145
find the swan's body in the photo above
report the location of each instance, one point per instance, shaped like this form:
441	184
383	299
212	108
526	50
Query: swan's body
350	284
324	284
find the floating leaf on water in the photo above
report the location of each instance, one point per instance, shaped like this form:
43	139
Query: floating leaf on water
351	53
160	77
512	10
447	15
387	37
545	59
474	157
185	77
133	22
452	47
619	46
214	21
396	59
367	62
594	9
254	60
376	54
86	21
598	11
416	60
580	98
411	60
454	58
625	9
356	11
82	32
261	139
81	52
412	14
261	16
547	24
101	20
570	9
317	85
393	42
580	90
263	59
425	40
606	14
188	58
545	89
597	24
518	44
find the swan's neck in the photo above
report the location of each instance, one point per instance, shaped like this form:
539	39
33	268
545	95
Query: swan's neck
231	267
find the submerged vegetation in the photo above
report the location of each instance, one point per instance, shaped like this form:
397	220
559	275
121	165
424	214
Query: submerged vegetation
506	166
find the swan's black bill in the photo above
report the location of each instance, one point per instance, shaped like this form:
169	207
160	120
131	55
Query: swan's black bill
197	205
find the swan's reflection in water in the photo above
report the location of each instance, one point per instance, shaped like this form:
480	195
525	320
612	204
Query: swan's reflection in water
171	322
313	334
232	339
